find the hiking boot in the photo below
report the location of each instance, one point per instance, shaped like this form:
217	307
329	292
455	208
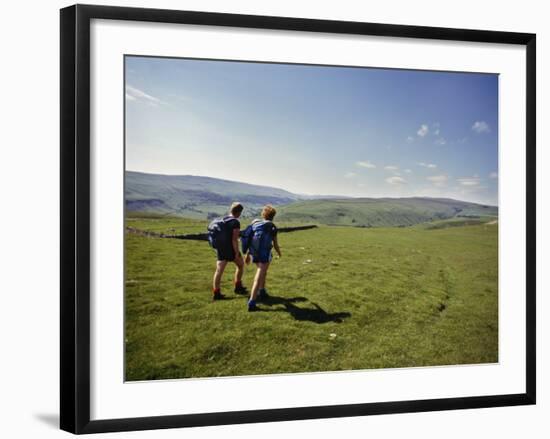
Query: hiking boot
262	295
241	290
252	306
218	296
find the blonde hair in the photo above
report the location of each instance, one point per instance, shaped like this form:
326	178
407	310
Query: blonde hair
236	208
268	212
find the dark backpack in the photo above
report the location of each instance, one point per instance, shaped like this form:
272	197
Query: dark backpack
219	234
262	236
246	238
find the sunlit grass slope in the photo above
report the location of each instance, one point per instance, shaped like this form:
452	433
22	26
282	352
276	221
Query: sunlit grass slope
342	298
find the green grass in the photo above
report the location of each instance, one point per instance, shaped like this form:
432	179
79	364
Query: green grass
456	222
367	298
166	224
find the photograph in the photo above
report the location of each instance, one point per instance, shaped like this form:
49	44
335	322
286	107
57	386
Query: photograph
296	218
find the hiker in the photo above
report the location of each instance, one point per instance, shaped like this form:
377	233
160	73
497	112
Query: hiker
223	235
258	240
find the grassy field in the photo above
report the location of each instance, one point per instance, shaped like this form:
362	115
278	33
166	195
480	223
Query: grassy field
342	298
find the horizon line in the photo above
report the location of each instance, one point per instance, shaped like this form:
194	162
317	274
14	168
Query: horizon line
317	196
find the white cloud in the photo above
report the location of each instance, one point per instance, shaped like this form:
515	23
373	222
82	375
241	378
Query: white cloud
471	190
134	94
423	130
350	174
408	171
410	139
493	175
469	181
427	165
365	164
396	180
436	130
391	168
438	180
440	141
481	126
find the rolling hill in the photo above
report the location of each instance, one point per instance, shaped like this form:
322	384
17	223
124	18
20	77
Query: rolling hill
197	197
205	197
382	212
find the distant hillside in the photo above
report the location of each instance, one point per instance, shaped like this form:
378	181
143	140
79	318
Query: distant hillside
205	197
197	197
382	212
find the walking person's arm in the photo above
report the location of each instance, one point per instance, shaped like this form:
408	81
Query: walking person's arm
276	246
235	243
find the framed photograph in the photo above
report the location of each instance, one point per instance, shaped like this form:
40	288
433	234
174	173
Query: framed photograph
274	218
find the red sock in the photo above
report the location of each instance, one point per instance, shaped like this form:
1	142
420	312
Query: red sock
215	291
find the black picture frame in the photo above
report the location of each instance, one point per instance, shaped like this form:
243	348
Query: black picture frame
75	217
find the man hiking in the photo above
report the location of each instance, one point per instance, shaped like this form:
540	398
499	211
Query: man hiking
258	240
223	235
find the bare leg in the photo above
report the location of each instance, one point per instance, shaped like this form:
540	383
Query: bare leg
259	279
239	270
220	267
262	285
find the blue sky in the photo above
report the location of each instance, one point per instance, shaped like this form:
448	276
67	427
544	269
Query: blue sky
316	130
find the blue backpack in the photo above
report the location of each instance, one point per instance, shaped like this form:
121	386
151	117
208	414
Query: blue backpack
257	237
219	235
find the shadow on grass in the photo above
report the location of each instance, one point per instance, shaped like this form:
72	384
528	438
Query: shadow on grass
315	314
